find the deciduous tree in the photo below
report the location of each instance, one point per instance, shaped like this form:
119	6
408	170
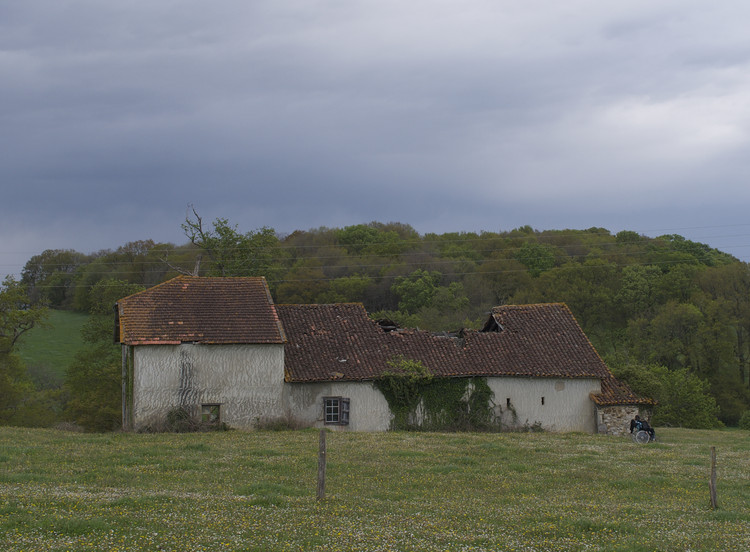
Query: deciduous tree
232	253
416	290
17	316
94	377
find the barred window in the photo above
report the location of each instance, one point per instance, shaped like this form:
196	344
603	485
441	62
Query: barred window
336	410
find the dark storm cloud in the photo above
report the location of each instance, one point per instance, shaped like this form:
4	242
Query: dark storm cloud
445	115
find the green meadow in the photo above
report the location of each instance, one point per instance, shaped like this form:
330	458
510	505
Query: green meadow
256	491
48	349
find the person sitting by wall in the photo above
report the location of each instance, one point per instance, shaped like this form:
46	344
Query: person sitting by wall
637	424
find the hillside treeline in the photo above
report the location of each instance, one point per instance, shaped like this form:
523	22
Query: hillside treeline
664	312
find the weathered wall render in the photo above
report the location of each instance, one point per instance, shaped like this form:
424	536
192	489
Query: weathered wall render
245	380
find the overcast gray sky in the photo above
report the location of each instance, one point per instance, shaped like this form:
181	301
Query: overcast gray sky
462	115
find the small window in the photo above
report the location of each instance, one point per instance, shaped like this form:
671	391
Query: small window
542	401
507	402
336	410
211	413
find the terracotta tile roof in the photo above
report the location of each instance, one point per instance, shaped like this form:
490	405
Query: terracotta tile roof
332	342
340	342
556	343
616	392
204	310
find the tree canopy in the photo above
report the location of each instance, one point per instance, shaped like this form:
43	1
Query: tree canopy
662	301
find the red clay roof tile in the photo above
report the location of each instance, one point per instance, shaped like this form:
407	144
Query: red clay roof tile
340	342
329	342
205	310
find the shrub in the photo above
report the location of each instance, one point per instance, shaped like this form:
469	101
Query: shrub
687	401
282	423
745	420
180	420
683	398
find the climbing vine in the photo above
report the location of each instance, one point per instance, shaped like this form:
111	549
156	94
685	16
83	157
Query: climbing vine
402	387
418	400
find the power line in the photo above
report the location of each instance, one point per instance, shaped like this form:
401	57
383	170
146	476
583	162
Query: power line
577	267
415	251
427	252
431	258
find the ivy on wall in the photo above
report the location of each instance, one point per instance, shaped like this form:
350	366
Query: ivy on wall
418	400
402	387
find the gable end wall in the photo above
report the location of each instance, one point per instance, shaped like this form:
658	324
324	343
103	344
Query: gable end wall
246	380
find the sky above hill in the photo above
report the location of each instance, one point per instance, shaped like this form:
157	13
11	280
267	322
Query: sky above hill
449	116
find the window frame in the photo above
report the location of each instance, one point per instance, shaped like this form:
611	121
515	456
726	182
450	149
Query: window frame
211	413
336	410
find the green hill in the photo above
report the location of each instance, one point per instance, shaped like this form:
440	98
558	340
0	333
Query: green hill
48	350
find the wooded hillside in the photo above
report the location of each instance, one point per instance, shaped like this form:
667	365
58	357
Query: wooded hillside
664	312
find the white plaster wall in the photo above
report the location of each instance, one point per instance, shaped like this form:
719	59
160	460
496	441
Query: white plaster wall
368	408
567	406
246	380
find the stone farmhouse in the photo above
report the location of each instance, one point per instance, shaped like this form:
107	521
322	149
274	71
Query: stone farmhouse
221	349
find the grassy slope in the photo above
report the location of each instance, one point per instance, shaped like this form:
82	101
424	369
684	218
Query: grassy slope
47	351
386	491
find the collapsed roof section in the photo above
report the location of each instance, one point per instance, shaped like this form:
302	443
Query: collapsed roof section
340	342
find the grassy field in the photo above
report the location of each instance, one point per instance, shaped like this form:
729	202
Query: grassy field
47	351
393	491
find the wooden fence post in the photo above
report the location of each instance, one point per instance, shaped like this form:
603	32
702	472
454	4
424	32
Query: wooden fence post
322	465
712	482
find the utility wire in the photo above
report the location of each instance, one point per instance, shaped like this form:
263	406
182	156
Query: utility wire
579	267
430	258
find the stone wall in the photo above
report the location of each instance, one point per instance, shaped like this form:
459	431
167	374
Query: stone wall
615	420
